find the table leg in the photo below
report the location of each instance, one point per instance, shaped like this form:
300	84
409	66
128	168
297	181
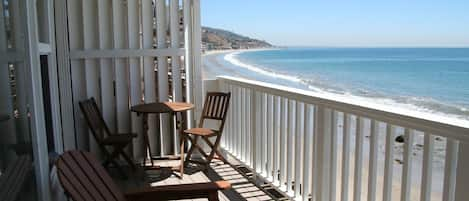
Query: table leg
146	147
182	141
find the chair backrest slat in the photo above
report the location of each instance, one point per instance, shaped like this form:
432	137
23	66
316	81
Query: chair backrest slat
83	178
94	119
14	177
215	107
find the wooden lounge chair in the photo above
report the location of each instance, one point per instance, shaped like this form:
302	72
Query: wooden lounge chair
215	108
104	137
83	179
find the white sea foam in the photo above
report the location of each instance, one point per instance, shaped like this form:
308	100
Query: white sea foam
231	57
385	101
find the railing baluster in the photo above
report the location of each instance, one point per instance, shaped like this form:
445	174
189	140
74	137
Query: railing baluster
426	185
264	135
239	118
373	164
315	175
308	155
407	168
269	135
259	132
345	158
283	140
451	164
298	147
243	119
248	127
276	142
333	166
388	164
253	131
291	132
233	121
357	186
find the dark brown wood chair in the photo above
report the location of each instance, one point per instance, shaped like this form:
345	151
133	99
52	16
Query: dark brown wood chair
104	137
15	178
215	108
83	179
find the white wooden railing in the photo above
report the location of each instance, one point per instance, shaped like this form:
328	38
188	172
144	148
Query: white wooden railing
314	145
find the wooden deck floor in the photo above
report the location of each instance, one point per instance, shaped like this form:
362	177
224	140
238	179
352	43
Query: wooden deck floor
242	188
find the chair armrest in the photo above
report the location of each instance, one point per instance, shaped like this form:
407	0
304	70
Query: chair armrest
173	192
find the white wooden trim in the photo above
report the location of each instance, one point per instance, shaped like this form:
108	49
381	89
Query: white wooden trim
119	23
276	142
426	185
269	137
298	159
36	106
283	141
163	88
373	161
333	159
388	164
407	167
91	70
290	143
64	73
135	76
451	164
308	145
346	158
358	171
125	53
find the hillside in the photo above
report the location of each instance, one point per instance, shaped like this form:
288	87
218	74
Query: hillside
218	39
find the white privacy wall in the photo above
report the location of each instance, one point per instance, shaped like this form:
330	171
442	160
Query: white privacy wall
125	53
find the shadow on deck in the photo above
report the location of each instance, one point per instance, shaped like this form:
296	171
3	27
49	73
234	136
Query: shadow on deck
243	188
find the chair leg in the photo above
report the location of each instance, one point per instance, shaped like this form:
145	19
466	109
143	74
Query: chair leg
191	150
213	196
128	160
215	149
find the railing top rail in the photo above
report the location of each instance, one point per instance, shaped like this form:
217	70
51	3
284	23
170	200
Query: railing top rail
418	120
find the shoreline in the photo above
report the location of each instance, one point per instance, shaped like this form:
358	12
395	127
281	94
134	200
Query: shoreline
224	60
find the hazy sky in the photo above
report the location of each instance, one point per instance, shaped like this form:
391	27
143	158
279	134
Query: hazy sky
344	23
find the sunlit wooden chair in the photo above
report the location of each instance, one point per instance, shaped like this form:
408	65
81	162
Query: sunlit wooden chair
215	108
104	137
84	179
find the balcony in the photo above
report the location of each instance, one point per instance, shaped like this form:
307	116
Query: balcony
282	143
312	146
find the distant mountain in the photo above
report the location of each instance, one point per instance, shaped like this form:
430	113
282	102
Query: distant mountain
219	39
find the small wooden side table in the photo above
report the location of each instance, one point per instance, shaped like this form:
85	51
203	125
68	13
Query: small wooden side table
160	108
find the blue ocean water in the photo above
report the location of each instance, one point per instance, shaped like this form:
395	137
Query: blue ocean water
436	79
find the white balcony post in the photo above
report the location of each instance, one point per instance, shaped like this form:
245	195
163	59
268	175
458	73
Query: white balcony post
462	175
253	130
322	130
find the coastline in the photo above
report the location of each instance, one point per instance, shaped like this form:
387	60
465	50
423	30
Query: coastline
224	62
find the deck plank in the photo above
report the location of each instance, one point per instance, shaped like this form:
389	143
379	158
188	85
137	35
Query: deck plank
242	188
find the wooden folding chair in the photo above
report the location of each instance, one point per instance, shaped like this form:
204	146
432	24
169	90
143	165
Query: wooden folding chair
103	136
83	179
215	108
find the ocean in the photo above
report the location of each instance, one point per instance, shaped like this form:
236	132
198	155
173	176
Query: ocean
433	80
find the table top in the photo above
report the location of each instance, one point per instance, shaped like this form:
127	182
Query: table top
162	107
